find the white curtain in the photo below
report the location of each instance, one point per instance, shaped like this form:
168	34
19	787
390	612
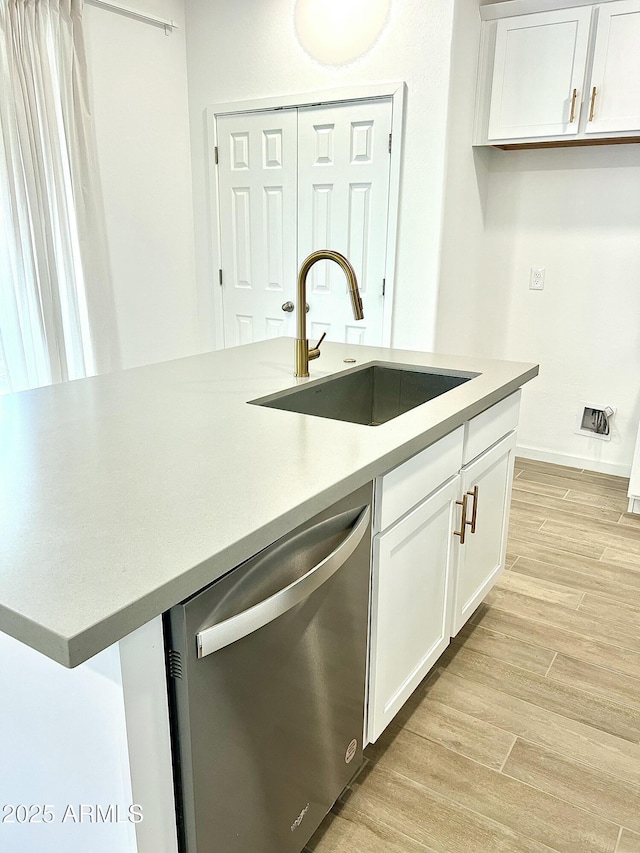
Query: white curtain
57	319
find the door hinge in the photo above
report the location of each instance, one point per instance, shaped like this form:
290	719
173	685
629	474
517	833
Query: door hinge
390	135
220	277
174	661
215	154
384	285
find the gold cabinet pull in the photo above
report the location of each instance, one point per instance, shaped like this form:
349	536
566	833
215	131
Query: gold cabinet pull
474	511
573	106
593	103
463	520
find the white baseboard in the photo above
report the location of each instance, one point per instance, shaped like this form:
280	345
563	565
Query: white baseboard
574	461
634	505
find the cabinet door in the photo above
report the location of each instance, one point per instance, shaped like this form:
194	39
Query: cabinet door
409	620
614	96
539	62
480	560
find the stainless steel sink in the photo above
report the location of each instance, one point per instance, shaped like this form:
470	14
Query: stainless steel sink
372	394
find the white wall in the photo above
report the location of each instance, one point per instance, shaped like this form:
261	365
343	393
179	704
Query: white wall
466	321
250	50
469	321
139	95
58	725
576	212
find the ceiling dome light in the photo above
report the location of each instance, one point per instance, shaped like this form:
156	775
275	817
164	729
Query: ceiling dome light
336	32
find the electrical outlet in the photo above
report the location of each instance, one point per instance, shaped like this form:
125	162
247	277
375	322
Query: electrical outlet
536	278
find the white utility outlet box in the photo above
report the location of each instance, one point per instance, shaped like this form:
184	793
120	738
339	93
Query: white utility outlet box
594	420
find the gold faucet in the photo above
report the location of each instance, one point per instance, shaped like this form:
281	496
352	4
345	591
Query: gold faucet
303	353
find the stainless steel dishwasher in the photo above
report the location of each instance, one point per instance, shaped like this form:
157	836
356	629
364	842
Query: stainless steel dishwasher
267	674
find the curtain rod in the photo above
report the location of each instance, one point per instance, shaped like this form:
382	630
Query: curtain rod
134	13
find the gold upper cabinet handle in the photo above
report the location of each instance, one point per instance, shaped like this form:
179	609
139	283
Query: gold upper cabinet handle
572	117
593	103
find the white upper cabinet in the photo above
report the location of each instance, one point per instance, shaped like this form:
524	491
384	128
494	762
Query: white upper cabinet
569	76
538	74
614	94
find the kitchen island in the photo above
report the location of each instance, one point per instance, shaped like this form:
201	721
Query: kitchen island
123	494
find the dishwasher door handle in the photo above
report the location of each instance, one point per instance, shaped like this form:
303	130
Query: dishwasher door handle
230	630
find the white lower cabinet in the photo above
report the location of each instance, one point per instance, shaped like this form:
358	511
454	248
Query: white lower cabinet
439	555
410	617
486	483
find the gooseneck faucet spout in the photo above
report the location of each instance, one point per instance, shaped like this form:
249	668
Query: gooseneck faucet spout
304	354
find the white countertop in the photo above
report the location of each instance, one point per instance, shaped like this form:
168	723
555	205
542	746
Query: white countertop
123	494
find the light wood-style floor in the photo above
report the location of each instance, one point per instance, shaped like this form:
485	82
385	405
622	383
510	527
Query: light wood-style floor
526	735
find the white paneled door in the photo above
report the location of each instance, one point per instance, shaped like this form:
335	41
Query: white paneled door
291	181
343	202
257	169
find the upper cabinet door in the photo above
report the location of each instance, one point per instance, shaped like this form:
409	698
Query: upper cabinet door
614	96
538	74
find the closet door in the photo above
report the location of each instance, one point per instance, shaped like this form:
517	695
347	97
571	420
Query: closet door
257	186
343	204
614	96
290	182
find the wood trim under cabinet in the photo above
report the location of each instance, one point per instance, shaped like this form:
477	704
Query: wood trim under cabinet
565	143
